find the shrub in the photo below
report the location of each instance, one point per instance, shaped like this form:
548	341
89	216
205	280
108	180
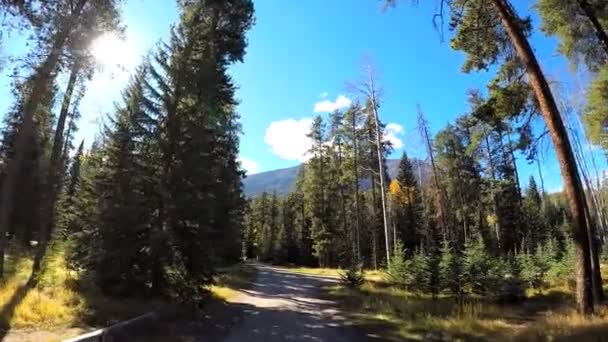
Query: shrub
510	287
561	271
534	268
353	277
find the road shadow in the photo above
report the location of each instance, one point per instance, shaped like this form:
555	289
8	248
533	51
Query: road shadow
279	306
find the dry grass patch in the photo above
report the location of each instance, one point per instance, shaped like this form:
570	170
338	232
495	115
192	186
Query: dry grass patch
567	324
377	276
230	280
50	303
545	316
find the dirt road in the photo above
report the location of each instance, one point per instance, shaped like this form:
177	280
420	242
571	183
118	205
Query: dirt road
285	306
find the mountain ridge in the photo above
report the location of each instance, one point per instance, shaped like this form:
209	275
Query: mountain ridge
282	180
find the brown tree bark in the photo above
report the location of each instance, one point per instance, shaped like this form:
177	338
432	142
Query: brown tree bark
563	149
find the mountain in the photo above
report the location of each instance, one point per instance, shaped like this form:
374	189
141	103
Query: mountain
282	180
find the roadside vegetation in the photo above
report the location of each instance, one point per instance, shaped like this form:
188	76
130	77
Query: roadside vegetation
62	303
404	312
58	303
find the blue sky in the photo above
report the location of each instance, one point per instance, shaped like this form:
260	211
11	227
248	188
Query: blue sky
300	57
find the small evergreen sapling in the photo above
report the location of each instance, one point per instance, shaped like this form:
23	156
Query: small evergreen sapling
353	277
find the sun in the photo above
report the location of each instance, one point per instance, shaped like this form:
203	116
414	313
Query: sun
111	50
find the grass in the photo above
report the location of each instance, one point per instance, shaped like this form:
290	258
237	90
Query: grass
398	314
64	303
48	304
370	275
230	280
60	304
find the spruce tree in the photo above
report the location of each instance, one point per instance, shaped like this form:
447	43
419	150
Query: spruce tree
449	269
407	206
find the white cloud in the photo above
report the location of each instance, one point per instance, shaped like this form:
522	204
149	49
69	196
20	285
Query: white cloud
327	106
392	131
287	138
249	165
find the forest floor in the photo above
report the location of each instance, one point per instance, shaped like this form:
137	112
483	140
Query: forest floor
255	302
60	305
547	315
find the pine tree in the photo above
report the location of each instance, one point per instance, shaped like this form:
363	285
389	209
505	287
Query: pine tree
123	263
192	98
537	231
316	195
406	206
449	269
399	271
486	32
476	268
581	26
82	227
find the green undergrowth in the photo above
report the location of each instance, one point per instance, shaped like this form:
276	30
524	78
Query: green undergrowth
396	314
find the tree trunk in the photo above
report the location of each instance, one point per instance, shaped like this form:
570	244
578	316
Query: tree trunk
494	198
542	180
40	88
356	169
374	222
426	137
565	156
381	171
53	180
514	162
596	276
597	26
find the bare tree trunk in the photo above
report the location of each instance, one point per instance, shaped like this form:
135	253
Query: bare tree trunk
381	171
540	176
565	156
373	225
597	26
356	169
426	137
596	277
368	88
342	197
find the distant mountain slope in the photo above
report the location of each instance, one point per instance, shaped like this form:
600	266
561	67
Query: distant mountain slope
282	180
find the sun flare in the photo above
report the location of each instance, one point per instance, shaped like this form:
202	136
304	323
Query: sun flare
109	49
